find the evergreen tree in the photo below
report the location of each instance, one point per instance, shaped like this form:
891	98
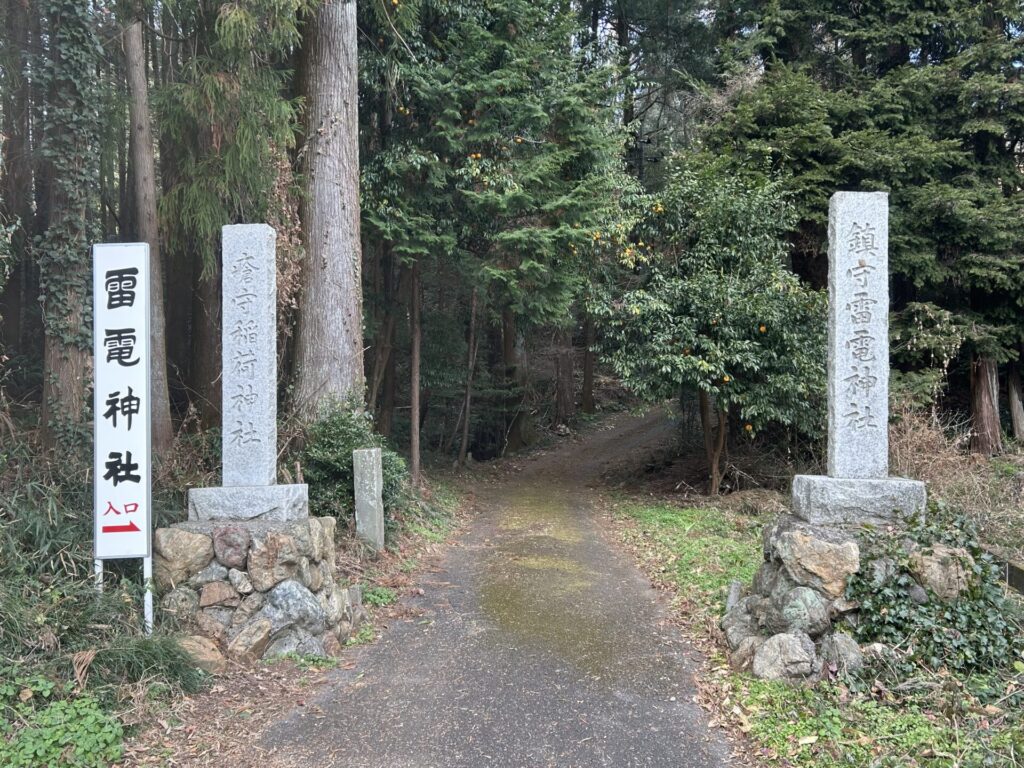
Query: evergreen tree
499	163
925	102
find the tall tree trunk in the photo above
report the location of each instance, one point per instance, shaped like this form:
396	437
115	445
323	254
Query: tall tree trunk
386	411
145	214
634	155
384	344
986	437
329	336
205	366
510	363
470	367
714	441
21	297
565	385
72	164
414	376
1016	393
589	339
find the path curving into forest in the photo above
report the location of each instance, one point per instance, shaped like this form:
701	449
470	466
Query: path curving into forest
536	643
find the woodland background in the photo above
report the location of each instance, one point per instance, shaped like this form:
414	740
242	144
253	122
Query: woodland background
539	182
495	218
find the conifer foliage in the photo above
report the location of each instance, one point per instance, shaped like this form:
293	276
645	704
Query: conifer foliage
512	159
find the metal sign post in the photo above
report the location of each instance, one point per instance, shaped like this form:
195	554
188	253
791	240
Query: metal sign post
122	508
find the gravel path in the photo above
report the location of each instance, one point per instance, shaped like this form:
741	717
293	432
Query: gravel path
534	644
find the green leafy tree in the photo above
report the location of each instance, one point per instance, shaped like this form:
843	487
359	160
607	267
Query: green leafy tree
226	122
714	309
925	101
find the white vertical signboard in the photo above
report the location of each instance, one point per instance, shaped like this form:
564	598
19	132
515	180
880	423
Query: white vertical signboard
122	504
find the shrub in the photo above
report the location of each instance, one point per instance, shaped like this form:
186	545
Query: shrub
980	630
326	462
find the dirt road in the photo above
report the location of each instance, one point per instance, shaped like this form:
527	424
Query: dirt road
535	644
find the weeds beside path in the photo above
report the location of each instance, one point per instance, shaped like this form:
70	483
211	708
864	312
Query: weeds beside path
221	725
933	718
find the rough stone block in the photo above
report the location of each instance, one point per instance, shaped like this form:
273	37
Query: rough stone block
369	488
276	503
230	545
249	360
179	555
205	653
822	500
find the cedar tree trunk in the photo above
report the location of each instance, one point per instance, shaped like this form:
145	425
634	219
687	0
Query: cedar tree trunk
143	162
986	437
329	336
565	389
414	377
1016	401
470	367
589	339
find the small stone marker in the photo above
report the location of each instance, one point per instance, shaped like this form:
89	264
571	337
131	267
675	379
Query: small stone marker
858	488
249	388
368	479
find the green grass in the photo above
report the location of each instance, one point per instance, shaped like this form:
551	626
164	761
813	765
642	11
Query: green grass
943	721
699	550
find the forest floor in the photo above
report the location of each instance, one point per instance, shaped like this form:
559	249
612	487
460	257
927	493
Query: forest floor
531	639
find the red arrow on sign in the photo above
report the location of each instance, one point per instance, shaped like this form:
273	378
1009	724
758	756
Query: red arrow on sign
129	528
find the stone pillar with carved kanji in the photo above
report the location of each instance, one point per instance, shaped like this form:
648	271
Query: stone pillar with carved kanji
249	389
250	573
858	488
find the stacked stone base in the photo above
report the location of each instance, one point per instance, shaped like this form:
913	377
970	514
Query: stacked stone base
247	590
783	629
794	621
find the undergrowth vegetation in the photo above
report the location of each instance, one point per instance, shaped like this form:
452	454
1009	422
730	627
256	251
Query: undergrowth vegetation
326	462
950	696
73	661
981	630
989	491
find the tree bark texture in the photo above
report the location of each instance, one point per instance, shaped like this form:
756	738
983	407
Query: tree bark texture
21	323
589	339
714	441
414	377
144	164
329	337
1016	393
206	344
565	385
472	347
986	437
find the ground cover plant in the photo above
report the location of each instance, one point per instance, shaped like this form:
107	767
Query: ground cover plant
909	709
75	664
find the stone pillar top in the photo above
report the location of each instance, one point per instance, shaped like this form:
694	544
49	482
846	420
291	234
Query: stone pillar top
249	356
858	335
